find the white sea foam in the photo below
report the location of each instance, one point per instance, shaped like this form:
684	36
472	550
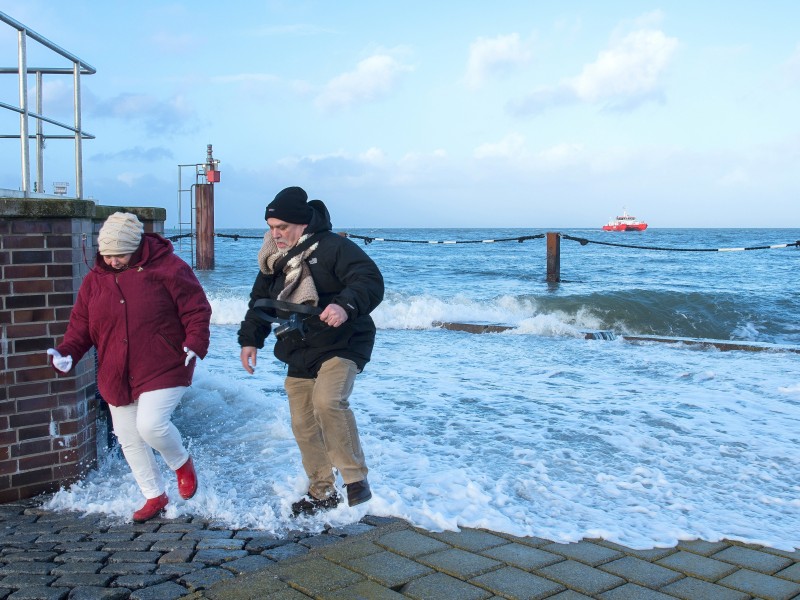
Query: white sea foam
535	431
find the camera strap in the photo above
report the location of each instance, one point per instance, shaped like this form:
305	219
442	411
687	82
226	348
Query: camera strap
290	307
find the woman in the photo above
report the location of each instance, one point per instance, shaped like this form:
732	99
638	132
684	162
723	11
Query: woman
147	315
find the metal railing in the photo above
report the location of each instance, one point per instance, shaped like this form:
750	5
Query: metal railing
79	67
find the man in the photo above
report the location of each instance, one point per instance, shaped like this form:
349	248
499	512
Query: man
303	262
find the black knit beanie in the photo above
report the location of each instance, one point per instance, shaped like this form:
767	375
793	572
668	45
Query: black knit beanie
290	205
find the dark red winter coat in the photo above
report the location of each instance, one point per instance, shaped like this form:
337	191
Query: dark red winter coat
139	320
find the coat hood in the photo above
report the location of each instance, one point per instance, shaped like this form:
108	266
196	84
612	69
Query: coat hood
152	248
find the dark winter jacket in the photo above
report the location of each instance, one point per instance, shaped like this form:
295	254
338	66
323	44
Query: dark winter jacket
139	320
343	274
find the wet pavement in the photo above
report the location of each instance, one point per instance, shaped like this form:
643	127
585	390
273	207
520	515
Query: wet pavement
48	555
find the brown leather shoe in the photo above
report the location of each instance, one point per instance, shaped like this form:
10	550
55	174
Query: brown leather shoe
152	508
358	492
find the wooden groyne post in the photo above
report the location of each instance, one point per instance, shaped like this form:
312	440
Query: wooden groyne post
553	257
204	213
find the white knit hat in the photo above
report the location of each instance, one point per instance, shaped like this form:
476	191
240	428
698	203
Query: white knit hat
120	234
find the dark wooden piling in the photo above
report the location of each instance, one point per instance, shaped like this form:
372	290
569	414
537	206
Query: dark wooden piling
204	209
553	257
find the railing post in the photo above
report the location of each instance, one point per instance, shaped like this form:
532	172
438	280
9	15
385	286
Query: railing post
553	257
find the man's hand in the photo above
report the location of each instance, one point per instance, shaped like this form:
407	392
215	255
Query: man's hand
333	315
248	357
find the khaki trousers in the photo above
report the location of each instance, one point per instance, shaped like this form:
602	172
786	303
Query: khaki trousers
325	427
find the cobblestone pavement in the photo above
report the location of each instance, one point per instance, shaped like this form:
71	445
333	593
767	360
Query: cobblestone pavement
58	555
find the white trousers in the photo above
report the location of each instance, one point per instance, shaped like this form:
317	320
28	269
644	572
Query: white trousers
145	425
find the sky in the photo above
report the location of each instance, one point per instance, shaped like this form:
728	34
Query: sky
519	114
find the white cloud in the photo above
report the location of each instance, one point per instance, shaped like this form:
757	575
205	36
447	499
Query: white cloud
624	75
490	56
561	155
374	77
511	146
631	68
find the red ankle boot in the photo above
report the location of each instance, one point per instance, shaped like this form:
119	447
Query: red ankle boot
152	508
187	480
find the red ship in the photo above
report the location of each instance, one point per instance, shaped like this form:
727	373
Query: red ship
625	222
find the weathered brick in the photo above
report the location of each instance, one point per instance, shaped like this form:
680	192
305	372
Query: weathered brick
24	271
33	316
31	257
32	286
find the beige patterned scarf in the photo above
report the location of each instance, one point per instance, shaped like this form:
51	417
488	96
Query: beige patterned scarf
299	287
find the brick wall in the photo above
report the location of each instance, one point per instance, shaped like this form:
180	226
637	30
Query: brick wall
48	420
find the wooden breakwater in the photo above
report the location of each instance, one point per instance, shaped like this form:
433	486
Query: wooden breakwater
610	335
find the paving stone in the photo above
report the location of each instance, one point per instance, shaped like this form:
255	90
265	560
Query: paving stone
533	541
127	546
316	575
569	595
163	591
791	573
77	567
129	568
170	545
94	556
320	541
83	579
702	547
134	557
581	577
584	552
388	569
286	551
96	593
220	544
440	586
363	590
181	555
631	591
460	564
472	540
30	556
351	530
649	554
153	536
260	544
341	553
207	534
510	582
248	564
24	580
180	527
135	582
696	589
40	593
524	557
217	557
698	566
410	543
636	570
763	586
753	560
27	568
178	569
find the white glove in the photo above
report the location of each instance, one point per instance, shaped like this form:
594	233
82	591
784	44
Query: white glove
62	363
190	354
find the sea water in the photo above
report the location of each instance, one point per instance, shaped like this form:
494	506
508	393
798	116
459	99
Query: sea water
534	430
